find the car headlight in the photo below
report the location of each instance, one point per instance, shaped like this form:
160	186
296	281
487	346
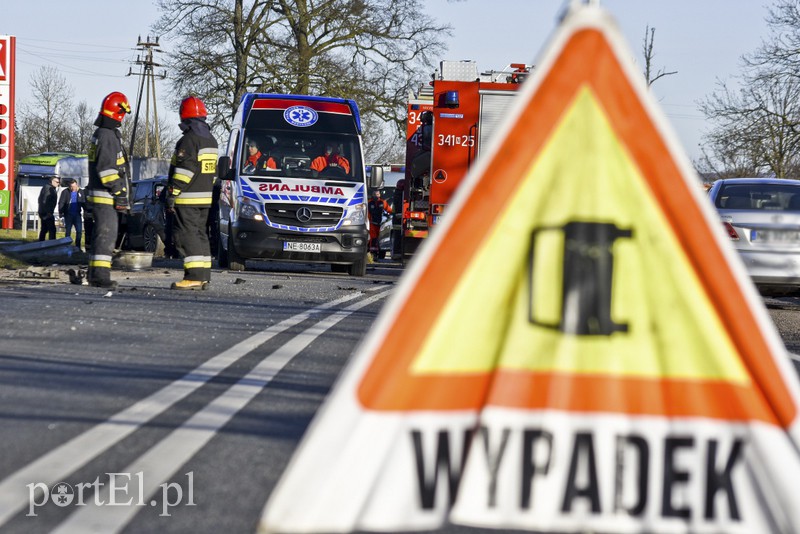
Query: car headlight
249	210
356	214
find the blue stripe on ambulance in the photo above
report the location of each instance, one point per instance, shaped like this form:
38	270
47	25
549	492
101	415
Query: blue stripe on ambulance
358	198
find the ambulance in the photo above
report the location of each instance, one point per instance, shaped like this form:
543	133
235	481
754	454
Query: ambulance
293	186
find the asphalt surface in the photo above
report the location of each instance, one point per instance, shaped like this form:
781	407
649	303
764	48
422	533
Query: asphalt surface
198	398
148	383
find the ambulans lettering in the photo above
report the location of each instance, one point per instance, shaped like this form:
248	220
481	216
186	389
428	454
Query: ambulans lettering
301	188
570	465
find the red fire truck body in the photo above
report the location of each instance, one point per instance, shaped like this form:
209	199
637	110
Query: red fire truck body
466	109
414	224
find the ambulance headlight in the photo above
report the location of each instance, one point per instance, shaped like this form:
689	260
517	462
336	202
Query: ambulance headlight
249	210
356	214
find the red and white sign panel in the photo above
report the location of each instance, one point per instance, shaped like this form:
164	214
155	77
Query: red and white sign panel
7	47
577	348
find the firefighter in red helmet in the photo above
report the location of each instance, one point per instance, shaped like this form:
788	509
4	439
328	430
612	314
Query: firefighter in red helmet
108	186
192	174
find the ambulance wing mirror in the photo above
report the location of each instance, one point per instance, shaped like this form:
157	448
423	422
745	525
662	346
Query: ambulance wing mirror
224	170
376	177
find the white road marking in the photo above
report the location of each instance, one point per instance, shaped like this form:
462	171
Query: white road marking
54	466
163	460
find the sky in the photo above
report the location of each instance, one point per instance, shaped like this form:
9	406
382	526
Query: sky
93	44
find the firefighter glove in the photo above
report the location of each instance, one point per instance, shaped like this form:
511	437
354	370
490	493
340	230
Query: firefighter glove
170	203
121	203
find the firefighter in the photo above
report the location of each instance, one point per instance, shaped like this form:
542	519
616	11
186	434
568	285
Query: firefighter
192	175
108	186
331	158
376	208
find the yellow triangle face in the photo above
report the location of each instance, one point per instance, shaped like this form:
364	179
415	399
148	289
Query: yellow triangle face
597	212
576	271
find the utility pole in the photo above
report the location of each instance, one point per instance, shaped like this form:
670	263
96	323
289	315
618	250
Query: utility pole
147	84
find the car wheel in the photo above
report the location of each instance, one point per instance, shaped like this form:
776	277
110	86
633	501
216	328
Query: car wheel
222	257
358	268
150	238
235	262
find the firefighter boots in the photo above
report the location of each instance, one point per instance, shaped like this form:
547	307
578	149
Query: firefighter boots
189	285
105	284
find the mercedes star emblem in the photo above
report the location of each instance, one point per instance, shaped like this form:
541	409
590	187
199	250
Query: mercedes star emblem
304	214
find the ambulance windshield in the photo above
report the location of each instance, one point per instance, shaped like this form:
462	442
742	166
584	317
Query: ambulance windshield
301	155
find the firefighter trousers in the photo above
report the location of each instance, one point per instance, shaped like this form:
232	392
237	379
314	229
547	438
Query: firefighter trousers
104	238
191	240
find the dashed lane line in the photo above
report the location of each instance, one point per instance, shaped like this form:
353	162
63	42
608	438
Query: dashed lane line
163	460
57	464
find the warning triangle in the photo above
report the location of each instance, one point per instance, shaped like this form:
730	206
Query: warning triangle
492	310
579	298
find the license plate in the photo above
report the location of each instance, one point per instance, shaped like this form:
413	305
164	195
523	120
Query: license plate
294	246
776	236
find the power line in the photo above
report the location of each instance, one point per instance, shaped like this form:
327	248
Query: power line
67	68
148	75
71	56
26	39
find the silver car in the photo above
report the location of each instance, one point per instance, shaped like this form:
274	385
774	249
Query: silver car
762	218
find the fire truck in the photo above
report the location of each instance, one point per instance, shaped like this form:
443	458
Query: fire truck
450	122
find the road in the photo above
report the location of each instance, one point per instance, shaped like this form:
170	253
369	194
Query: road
197	398
177	412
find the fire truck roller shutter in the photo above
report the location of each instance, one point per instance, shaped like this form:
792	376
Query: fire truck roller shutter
494	108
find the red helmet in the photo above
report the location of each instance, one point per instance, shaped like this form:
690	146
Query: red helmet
193	108
115	106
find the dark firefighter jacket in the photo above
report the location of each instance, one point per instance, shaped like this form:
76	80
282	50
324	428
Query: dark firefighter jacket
194	166
107	166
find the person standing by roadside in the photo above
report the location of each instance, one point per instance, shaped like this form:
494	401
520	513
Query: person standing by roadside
71	203
108	186
48	198
192	175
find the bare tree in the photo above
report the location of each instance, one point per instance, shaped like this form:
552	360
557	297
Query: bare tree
380	143
780	52
650	75
370	50
46	121
757	127
82	128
